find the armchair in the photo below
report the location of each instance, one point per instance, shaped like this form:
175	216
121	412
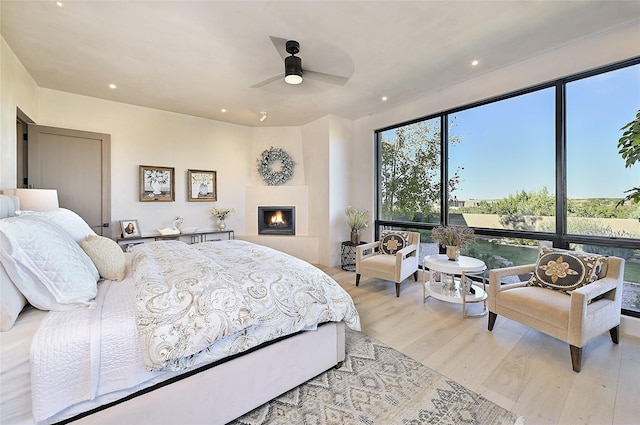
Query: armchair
576	319
370	260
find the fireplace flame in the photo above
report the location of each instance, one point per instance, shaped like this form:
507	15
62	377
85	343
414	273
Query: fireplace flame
276	219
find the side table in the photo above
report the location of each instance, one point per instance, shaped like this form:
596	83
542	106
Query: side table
453	284
348	255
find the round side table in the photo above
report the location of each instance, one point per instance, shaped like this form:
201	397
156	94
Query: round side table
453	285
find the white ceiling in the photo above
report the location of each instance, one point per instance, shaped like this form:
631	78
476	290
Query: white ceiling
197	57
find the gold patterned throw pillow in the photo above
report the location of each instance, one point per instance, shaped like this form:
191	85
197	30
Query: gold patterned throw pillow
564	270
392	241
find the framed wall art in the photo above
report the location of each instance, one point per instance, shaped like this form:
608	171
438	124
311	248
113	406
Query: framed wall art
202	186
130	228
157	184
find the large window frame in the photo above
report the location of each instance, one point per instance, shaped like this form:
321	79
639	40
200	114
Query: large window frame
560	238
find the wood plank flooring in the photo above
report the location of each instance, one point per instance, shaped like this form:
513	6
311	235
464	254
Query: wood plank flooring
516	367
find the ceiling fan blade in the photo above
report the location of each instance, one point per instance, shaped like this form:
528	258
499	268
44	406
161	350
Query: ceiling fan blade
281	46
326	78
267	81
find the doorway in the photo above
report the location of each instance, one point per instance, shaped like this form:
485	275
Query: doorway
78	165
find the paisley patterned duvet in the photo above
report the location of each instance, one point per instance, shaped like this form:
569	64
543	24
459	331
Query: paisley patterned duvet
197	303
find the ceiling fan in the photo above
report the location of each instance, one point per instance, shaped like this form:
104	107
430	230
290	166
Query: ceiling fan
293	71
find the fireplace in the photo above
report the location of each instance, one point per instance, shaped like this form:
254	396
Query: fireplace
277	220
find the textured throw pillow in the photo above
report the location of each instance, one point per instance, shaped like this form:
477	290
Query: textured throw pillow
392	241
564	270
106	255
11	301
47	266
71	222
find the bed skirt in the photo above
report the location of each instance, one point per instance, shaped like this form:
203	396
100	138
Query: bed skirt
228	390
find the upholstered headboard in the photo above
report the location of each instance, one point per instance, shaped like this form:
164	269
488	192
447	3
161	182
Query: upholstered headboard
8	206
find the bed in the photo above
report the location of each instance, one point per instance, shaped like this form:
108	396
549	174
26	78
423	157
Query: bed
170	333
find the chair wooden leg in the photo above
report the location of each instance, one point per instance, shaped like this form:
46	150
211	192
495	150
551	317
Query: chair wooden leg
615	334
357	279
492	319
415	275
397	289
576	358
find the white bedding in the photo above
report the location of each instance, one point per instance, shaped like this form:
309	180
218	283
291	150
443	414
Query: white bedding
15	377
112	353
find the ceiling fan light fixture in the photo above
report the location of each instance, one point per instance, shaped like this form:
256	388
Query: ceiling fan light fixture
292	70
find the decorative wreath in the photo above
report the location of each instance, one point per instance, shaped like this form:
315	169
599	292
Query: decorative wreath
271	157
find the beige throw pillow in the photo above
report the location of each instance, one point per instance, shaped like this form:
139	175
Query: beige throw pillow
107	255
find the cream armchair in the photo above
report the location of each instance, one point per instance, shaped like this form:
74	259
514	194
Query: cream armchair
397	267
575	319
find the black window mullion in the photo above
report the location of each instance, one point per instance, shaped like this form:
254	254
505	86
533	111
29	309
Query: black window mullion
444	169
561	166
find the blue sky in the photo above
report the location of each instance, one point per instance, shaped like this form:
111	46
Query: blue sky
509	146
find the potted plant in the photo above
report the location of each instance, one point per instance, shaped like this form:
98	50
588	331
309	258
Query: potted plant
356	219
453	238
222	214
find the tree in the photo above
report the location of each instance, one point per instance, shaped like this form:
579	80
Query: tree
629	145
523	210
410	170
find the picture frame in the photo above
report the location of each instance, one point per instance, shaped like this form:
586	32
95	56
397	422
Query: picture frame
202	186
130	229
157	184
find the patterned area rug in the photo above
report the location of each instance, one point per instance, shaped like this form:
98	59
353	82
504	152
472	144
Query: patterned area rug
378	385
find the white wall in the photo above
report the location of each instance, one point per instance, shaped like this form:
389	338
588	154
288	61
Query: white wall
17	89
144	136
340	175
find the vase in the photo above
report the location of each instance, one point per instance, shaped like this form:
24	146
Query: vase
453	252
221	225
355	236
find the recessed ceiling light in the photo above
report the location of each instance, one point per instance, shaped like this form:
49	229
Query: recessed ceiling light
223	110
113	86
59	3
384	98
474	62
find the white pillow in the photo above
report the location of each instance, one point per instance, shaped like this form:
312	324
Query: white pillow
47	266
107	256
11	301
71	222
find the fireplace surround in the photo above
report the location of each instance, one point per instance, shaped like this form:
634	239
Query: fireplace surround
276	220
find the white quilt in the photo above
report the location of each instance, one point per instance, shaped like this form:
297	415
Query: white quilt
80	354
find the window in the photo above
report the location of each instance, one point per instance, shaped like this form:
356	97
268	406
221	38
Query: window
597	107
410	172
523	173
504	156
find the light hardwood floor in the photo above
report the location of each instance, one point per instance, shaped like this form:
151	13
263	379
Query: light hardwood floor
518	368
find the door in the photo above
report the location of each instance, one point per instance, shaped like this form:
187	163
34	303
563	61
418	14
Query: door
78	165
